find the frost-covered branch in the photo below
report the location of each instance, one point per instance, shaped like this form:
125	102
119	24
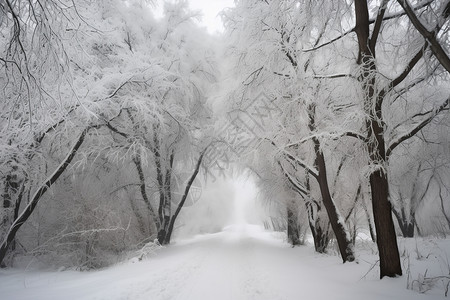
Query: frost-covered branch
399	79
371	21
331	135
430	36
185	194
419	127
297	187
28	210
311	170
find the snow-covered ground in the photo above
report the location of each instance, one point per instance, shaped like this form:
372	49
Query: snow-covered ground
241	262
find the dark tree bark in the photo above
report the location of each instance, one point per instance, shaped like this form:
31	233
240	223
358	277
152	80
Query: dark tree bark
373	236
292	227
320	234
142	187
184	197
23	217
430	36
166	192
386	237
405	223
336	221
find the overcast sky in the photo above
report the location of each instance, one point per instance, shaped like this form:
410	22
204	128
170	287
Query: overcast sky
210	10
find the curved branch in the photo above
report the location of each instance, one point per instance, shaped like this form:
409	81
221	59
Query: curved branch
301	163
430	36
371	21
297	187
45	186
419	127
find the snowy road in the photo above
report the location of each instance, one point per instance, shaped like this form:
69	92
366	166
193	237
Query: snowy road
242	262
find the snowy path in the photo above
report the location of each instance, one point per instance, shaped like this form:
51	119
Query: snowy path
242	262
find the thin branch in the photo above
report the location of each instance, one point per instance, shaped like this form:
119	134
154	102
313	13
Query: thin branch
331	76
309	169
253	74
186	192
371	21
419	127
430	36
44	187
297	187
332	135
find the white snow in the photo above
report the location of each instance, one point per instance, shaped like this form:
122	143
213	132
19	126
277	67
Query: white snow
241	262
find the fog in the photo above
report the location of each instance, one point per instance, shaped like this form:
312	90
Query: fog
224	201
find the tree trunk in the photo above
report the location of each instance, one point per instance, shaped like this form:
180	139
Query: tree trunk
406	226
23	217
384	225
320	236
369	222
184	197
336	220
292	227
142	187
386	238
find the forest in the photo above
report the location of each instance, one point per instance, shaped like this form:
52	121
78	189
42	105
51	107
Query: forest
114	112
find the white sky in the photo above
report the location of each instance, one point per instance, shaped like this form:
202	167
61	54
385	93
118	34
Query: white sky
210	10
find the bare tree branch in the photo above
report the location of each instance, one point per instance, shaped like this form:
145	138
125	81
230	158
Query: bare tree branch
430	36
371	21
416	129
297	187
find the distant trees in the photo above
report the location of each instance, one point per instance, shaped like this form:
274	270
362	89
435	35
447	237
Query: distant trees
338	103
372	95
134	87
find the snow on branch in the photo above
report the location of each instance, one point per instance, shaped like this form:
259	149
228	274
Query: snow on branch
28	210
371	21
419	127
331	135
297	186
311	170
430	36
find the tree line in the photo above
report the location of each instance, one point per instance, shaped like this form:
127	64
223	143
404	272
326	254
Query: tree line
340	110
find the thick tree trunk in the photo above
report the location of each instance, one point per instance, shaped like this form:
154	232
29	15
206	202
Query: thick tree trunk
386	238
384	225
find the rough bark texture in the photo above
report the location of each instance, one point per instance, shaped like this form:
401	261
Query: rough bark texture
384	225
